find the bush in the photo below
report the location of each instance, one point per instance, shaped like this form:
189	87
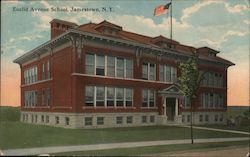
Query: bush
9	113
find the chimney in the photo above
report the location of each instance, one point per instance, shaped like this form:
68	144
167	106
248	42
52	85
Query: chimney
58	27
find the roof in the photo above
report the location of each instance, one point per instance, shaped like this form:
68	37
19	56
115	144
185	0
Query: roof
64	22
91	28
205	48
108	24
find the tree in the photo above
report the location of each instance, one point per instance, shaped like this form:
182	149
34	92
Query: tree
189	82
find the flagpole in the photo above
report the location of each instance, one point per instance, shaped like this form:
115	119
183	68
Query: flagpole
171	21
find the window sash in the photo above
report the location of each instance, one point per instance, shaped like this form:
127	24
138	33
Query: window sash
111	66
120	67
89	63
100	96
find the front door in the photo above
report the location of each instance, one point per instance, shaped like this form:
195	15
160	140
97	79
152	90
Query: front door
170	108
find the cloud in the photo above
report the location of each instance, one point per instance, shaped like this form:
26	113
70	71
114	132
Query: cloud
247	22
235	33
46	4
19	52
187	12
236	9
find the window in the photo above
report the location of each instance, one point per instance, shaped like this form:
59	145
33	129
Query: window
212	79
144	98
110	96
168	73
162	73
129	68
148	71
145	71
188	118
183	118
173	74
100	96
186	102
212	100
119	120
144	119
43	97
48	70
32	118
221	118
148	98
129	97
48	96
119	97
100	65
89	65
30	75
96	96
111	66
43	71
35	118
151	98
120	67
100	120
89	96
57	119
88	121
129	119
216	118
201	118
206	118
30	98
108	66
152	119
67	120
47	119
152	71
42	118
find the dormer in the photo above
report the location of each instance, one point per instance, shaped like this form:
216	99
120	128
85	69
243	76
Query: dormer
164	42
58	27
108	28
207	51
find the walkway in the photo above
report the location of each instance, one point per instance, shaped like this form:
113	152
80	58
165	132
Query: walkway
58	149
223	152
213	129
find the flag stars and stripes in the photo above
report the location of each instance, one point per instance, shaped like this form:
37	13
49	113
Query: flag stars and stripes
162	9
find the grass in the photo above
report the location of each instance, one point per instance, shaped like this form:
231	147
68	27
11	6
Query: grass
21	135
166	149
234	111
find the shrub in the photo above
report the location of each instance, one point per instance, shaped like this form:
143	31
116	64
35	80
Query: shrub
9	113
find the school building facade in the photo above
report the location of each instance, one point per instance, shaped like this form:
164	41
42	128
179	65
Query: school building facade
99	75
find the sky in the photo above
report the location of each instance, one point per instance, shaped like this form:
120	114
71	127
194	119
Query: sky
220	24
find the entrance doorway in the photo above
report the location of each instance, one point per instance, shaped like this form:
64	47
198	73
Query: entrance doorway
170	108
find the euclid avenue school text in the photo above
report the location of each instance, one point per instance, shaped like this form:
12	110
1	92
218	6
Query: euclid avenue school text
62	9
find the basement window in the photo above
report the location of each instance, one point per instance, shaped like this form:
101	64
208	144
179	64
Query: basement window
88	121
67	120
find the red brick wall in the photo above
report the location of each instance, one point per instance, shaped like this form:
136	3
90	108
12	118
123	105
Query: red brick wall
67	91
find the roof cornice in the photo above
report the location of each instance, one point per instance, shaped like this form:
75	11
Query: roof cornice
160	51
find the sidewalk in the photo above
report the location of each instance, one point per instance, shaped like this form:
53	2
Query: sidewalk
213	129
58	149
223	152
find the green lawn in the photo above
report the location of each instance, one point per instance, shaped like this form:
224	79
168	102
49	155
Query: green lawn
154	149
21	135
